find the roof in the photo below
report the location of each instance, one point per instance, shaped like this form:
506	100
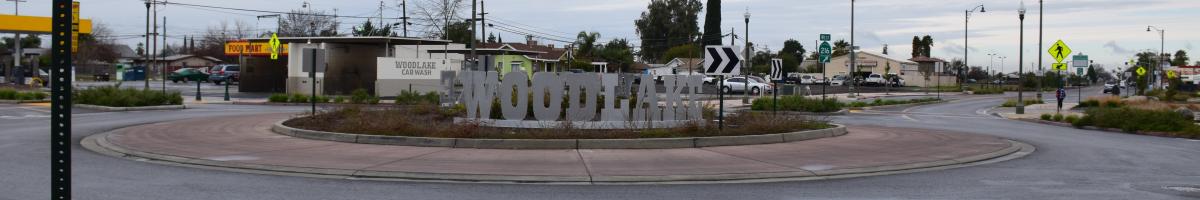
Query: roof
487	51
921	59
548	53
888	57
358	40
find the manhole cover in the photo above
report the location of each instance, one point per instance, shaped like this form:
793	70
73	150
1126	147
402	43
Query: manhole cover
1185	189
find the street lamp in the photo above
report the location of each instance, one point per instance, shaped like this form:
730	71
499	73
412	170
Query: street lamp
1161	51
1021	63
966	40
988	71
1000	70
746	87
853	54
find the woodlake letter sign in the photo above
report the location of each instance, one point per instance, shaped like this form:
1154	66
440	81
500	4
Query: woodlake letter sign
592	100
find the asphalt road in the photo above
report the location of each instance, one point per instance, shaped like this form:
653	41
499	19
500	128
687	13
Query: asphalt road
1068	164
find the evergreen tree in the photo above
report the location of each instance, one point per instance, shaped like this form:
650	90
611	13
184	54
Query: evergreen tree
712	23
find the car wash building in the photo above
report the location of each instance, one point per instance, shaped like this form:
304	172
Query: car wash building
383	66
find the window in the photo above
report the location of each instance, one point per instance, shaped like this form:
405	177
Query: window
736	80
515	66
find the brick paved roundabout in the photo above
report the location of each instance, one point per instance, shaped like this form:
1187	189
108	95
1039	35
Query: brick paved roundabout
247	144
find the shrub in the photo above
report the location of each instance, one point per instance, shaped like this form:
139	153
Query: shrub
797	103
116	97
339	99
1013	102
11	94
988	90
1071	119
298	98
1132	120
1046	117
359	96
278	98
322	99
1057	117
412	98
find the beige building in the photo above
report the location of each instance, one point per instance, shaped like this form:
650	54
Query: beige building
908	69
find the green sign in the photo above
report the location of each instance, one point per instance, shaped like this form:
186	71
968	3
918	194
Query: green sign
825	52
1079	71
825	37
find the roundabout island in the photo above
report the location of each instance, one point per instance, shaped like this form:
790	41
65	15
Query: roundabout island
260	144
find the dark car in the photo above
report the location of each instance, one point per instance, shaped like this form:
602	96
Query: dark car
187	74
224	74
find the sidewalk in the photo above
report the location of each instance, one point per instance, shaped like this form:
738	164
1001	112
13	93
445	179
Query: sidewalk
246	144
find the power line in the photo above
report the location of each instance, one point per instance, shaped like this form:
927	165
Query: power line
268	11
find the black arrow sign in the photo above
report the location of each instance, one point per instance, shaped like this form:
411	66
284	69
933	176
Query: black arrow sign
733	60
716	64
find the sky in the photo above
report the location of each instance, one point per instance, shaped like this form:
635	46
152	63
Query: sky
1109	31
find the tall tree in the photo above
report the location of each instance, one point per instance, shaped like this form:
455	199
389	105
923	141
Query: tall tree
917	47
29	41
586	42
439	15
792	54
213	41
459	32
840	48
308	23
1181	58
927	46
665	24
491	38
712	23
369	29
618	53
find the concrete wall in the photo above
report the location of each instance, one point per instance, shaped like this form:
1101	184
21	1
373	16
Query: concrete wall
260	74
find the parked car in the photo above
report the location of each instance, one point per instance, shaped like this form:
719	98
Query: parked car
187	74
875	80
740	84
838	80
224	74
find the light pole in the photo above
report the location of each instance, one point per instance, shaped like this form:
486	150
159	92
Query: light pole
966	41
1041	72
746	87
1000	70
1021	63
988	71
853	55
1162	50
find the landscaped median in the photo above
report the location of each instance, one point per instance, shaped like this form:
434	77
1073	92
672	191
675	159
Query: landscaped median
113	98
15	96
1144	117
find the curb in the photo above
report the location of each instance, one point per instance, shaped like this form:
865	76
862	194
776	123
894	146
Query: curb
99	143
120	109
903	105
1095	128
843	111
647	143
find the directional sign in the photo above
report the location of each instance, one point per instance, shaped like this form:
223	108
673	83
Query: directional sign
722	60
1079	71
777	69
1059	66
825	52
825	37
274	44
1059	51
1141	71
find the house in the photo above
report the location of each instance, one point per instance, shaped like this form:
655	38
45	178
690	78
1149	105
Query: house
940	75
687	65
548	58
176	62
869	63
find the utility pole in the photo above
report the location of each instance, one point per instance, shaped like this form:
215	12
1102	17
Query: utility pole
154	51
146	51
474	29
853	55
1041	72
483	19
17	50
404	11
381	16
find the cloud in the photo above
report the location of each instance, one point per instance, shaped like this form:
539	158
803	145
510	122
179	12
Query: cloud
1188	46
1116	49
953	48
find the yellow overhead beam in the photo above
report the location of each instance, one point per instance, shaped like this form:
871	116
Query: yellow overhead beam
35	24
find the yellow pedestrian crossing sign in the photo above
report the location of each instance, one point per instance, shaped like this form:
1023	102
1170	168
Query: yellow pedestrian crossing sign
1059	66
274	45
1170	74
1141	71
1059	51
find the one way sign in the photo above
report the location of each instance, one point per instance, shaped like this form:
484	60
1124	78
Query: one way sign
722	60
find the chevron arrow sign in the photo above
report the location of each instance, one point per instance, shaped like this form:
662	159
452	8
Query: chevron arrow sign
722	60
